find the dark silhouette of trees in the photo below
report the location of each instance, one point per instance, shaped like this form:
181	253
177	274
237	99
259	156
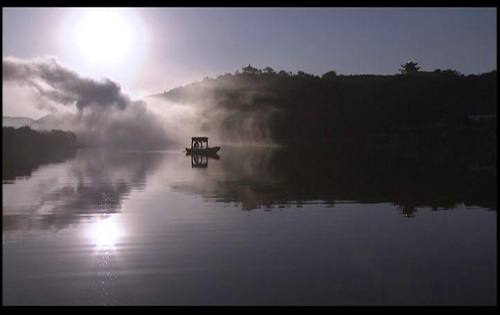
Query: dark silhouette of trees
303	108
23	149
29	138
451	72
250	70
24	140
409	68
304	75
330	75
268	70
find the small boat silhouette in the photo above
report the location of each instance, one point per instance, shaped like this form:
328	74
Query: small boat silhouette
199	145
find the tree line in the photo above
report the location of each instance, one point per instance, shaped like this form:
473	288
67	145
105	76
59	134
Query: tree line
24	149
330	107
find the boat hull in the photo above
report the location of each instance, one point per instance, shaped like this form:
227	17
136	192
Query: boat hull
207	151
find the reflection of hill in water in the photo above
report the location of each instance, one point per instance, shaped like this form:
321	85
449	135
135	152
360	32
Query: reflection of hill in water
94	182
23	166
284	177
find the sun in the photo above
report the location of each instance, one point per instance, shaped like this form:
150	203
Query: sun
112	43
105	42
105	37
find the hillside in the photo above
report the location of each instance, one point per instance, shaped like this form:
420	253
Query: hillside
23	149
45	123
303	108
16	122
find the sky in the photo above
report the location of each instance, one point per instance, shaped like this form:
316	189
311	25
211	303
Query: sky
151	50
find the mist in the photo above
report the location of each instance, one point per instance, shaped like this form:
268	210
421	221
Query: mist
230	109
98	111
102	114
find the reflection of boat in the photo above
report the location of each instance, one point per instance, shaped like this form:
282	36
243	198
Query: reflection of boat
198	160
199	146
214	156
201	160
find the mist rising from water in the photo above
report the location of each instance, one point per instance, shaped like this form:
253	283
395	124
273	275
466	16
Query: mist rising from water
101	114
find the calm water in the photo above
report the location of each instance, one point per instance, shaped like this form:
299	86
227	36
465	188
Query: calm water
257	226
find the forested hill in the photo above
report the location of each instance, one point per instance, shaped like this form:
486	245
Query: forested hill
24	149
302	107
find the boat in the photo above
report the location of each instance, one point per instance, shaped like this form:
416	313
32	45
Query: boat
199	146
206	151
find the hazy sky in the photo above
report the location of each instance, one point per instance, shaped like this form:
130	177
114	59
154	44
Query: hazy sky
153	50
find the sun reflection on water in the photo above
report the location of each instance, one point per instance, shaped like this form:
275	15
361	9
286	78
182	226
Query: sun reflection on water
105	233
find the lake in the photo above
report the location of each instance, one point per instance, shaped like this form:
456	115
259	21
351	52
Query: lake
260	225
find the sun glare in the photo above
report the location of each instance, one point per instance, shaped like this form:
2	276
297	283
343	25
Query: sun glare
104	42
105	37
105	233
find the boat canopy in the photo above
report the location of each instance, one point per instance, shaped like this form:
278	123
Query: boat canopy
197	142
